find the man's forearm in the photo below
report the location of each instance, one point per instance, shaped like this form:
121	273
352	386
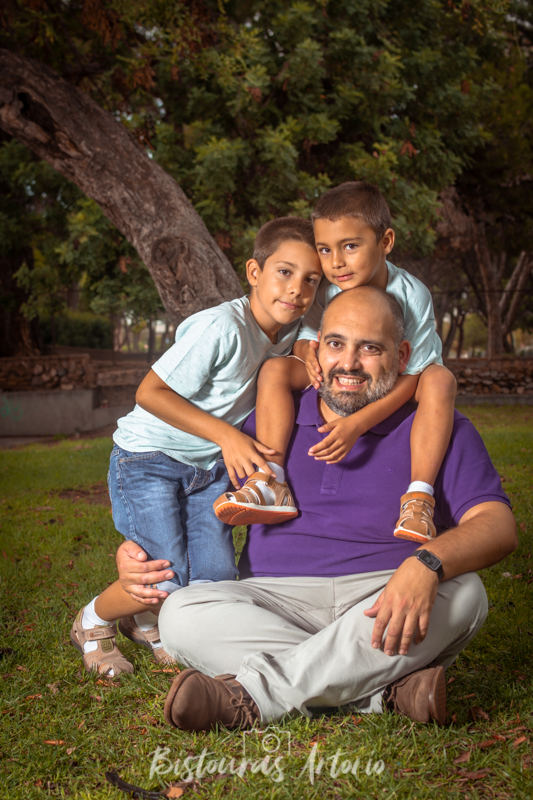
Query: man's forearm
485	535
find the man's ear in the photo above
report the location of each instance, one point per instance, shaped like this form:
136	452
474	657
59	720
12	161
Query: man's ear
388	240
252	271
404	351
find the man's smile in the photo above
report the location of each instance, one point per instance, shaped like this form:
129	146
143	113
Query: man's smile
349	382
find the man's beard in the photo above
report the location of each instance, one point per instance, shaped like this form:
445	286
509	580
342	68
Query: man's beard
346	403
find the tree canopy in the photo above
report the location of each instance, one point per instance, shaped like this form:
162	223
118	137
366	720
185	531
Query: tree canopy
255	108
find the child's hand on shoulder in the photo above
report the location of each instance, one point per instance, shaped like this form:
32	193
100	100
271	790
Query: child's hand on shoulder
342	435
313	367
243	456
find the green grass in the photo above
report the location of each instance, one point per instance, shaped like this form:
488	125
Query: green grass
63	729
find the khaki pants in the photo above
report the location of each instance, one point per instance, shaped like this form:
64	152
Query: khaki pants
298	644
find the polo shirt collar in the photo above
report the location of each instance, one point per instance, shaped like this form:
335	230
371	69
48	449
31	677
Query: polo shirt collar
308	414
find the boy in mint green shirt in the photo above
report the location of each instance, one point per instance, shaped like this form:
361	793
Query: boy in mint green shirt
173	453
353	236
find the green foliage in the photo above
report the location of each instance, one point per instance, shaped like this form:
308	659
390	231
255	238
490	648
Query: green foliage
77	329
112	278
257	107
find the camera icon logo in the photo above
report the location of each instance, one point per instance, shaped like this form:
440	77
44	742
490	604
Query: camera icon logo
272	741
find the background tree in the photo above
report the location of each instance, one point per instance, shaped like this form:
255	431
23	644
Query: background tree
257	107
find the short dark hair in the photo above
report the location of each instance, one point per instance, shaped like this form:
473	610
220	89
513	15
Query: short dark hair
355	199
273	233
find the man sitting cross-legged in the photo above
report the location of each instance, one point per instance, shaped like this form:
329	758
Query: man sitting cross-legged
330	610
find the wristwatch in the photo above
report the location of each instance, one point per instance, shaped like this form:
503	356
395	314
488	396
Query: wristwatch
431	561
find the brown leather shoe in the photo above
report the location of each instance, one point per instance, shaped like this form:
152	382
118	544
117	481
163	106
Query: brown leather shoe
197	702
420	695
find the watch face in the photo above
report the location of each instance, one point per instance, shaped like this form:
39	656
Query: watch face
428	558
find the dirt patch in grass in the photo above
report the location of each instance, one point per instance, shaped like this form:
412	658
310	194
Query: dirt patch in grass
96	495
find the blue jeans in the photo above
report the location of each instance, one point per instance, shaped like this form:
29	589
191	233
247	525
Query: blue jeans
166	507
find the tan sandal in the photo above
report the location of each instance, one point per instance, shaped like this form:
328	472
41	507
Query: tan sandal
247	505
416	518
107	656
129	628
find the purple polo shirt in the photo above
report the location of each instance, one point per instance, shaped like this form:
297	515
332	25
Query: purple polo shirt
348	510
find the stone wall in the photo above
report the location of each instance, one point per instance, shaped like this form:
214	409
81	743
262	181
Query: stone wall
47	372
499	376
45	395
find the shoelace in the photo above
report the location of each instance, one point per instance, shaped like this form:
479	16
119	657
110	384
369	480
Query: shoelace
243	711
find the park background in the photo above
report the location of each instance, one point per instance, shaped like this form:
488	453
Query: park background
141	146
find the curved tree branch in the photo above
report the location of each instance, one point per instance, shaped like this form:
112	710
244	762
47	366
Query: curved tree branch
89	146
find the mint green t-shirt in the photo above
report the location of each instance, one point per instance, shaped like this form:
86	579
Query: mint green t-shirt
419	318
214	364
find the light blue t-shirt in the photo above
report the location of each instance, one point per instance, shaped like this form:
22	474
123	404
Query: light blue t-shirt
214	364
419	318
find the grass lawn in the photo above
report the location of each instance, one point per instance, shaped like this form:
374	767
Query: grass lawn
63	729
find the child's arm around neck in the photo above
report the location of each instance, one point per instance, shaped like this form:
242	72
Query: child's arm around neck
344	431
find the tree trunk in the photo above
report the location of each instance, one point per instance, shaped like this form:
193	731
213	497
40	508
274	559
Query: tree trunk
87	145
491	290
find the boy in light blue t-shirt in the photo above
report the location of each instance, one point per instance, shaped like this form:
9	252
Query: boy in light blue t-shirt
174	452
353	236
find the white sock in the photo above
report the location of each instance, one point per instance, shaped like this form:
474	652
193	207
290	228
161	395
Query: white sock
90	619
266	491
147	620
278	471
421	486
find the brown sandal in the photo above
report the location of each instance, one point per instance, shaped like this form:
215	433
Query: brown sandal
247	505
107	656
129	628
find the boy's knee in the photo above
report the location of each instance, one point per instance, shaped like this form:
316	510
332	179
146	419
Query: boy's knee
439	380
274	369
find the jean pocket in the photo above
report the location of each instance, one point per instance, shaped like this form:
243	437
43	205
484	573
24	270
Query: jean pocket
126	457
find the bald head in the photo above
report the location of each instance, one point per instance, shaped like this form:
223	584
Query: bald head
362	349
380	302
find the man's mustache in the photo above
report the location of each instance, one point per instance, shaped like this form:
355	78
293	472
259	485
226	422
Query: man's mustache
352	373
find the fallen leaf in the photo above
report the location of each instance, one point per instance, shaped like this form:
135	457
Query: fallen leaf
53	687
70	750
54	741
519	740
490	742
478	713
167	670
463	757
174	791
472	776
